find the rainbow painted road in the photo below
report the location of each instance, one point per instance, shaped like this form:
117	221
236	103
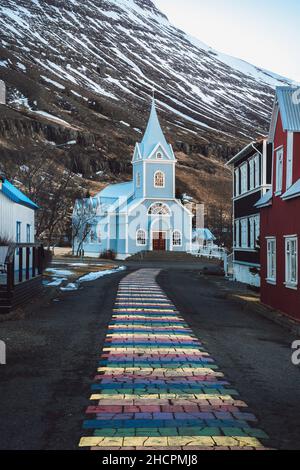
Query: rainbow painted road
157	387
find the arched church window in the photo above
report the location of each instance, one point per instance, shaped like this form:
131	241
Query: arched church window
159	179
138	180
177	239
141	237
159	208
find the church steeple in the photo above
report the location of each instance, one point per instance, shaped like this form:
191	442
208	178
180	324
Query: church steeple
154	136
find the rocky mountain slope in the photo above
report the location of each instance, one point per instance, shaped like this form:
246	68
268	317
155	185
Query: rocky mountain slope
84	71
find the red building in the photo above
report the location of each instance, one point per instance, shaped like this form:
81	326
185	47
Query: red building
280	209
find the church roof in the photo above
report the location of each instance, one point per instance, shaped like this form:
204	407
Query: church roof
154	135
114	191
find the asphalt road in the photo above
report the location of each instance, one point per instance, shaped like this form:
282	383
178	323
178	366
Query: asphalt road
52	356
252	351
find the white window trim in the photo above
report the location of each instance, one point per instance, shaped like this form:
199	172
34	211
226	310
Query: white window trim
237	181
145	236
164	180
288	283
244	178
237	234
269	279
159	215
177	245
289	159
279	181
252	184
257	171
244	242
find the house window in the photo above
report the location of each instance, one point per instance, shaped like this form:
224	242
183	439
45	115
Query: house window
252	232
271	260
237	233
159	208
237	182
244	233
252	173
244	178
289	161
177	239
18	232
279	170
138	180
141	237
257	171
291	261
159	155
257	229
159	179
28	233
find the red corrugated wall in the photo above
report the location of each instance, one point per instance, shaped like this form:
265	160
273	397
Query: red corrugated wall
282	218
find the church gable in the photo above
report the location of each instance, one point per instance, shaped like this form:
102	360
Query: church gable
137	156
159	153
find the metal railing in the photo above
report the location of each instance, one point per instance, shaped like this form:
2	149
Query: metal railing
23	261
212	252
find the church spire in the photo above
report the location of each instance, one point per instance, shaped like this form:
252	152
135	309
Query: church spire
154	134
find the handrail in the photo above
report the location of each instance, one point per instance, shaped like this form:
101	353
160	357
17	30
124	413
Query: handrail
13	246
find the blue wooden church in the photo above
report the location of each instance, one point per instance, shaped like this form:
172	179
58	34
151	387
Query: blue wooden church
140	215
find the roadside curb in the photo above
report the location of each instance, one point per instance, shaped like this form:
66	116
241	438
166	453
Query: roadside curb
267	312
250	302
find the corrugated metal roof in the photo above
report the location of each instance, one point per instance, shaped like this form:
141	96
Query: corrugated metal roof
15	195
265	200
115	191
289	104
293	191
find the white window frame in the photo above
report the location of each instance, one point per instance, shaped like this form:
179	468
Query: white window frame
252	232
138	238
252	173
257	228
237	233
177	242
279	170
244	233
237	181
271	260
256	171
289	160
291	261
244	178
163	179
138	179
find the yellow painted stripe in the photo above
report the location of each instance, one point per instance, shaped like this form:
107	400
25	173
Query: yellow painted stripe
161	396
180	441
125	349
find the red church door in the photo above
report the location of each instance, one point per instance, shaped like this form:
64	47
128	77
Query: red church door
159	241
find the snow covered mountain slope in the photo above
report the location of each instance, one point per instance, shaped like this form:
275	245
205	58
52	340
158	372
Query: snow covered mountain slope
89	68
121	49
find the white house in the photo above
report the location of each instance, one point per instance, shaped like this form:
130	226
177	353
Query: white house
140	215
17	214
